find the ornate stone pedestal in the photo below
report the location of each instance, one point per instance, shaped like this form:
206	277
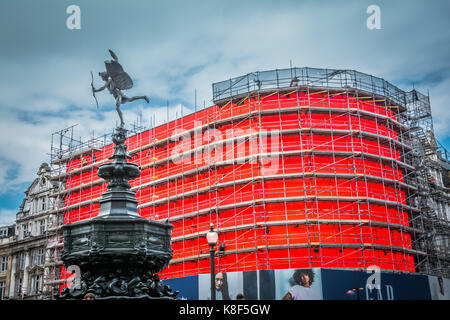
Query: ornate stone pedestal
118	251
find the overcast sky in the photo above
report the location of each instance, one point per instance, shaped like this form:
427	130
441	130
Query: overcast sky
170	48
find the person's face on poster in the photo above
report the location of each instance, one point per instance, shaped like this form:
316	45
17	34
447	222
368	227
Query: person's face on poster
305	280
219	281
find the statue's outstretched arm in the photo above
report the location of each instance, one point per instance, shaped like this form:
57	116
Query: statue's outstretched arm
100	89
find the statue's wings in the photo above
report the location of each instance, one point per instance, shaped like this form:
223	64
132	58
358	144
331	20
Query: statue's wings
121	79
113	55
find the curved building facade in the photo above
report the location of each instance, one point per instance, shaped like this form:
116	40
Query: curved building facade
295	168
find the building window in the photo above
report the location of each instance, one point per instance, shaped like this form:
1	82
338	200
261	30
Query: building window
21	260
41	256
51	203
38	257
43	204
41	226
3	233
2	289
19	286
4	264
36	284
25	230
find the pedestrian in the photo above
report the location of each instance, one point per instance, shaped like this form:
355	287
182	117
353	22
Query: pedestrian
240	296
89	296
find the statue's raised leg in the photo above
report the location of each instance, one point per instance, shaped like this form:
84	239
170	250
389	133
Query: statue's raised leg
139	97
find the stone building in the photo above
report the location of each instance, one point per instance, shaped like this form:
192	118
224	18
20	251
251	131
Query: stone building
6	243
439	222
29	250
434	189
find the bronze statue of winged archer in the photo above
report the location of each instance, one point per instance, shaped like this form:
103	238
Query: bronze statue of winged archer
116	80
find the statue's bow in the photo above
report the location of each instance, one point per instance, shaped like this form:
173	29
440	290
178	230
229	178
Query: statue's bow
93	89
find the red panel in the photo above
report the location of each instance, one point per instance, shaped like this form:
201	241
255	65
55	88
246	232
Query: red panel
322	207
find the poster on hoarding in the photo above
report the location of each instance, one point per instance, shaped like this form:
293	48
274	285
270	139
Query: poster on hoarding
227	285
294	284
248	285
439	288
298	284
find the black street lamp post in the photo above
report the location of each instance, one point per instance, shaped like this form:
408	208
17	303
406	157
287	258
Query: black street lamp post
212	237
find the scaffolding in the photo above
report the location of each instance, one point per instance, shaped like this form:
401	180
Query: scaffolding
347	191
433	196
61	147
